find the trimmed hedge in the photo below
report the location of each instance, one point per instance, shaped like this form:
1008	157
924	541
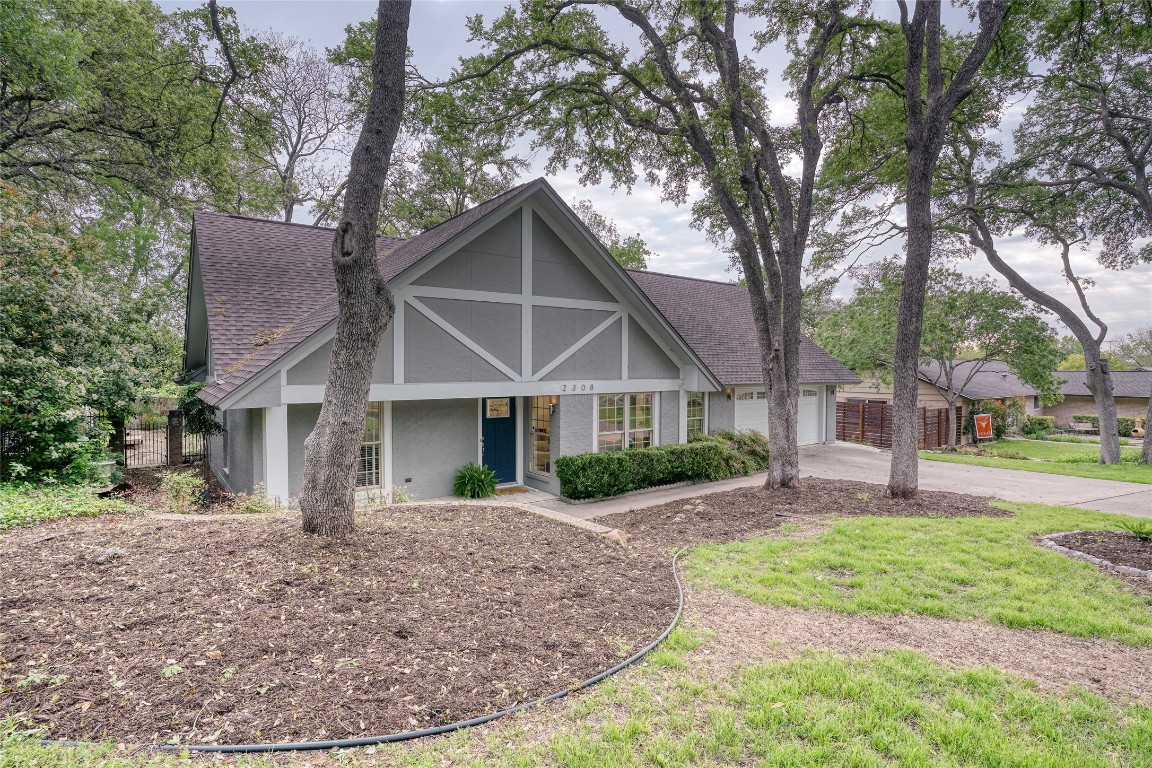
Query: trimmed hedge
1124	424
705	458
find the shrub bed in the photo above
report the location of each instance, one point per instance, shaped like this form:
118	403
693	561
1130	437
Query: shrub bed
705	458
1038	425
1124	424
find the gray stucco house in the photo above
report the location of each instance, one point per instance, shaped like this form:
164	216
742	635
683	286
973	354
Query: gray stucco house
516	339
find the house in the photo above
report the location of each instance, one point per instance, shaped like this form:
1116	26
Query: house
516	339
1131	389
972	380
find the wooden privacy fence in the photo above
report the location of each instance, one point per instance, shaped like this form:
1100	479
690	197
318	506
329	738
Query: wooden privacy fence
871	424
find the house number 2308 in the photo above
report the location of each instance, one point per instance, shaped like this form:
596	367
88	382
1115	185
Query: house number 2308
577	387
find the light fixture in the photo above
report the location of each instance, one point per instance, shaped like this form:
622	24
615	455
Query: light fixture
552	402
729	391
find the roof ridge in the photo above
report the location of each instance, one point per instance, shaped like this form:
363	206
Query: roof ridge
684	277
259	220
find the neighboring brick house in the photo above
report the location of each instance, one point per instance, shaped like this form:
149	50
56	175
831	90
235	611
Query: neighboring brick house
1130	388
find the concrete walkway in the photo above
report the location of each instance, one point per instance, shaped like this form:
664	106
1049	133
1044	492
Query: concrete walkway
847	461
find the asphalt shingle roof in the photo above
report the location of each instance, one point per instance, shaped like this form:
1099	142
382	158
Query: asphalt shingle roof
277	279
269	286
993	381
716	320
1124	383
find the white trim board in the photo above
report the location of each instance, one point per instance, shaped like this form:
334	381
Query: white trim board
314	393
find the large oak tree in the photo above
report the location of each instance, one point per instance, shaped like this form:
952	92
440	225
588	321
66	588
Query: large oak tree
669	91
327	495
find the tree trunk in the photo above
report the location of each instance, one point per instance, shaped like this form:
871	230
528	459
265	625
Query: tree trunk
327	495
951	444
1099	381
903	477
1146	450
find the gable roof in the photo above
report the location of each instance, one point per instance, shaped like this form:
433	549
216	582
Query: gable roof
1124	383
285	284
715	319
994	381
269	286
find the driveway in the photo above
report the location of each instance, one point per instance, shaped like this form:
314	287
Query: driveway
847	461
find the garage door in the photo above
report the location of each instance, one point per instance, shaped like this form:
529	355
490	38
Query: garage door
751	410
752	413
808	416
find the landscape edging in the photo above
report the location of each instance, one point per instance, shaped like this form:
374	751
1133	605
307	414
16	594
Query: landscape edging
1099	562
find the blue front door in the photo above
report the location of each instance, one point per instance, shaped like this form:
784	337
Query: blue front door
498	437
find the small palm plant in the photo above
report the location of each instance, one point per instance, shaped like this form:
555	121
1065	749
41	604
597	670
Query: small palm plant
475	482
1142	529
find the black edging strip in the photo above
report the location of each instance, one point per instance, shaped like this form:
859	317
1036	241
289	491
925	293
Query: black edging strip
366	741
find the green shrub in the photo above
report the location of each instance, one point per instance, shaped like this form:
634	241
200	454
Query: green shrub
1141	528
474	482
1037	425
704	458
183	491
1124	424
1001	417
24	504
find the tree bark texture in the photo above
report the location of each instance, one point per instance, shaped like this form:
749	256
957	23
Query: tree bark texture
1146	450
327	495
928	107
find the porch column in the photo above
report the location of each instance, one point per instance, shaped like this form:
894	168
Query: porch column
276	452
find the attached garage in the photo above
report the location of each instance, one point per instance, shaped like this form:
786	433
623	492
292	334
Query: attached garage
752	412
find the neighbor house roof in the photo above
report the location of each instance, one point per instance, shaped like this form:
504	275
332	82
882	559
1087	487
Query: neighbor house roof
994	381
1124	383
272	284
715	319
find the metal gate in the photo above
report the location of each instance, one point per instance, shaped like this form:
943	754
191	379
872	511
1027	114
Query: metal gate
169	445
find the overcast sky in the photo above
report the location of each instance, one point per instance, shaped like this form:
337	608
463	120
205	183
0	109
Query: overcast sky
438	38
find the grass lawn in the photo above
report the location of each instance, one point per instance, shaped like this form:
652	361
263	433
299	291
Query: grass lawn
1074	459
962	568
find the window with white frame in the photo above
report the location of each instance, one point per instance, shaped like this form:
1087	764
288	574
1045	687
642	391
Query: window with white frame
695	413
625	421
368	466
540	409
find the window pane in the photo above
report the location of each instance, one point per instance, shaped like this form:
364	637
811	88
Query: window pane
541	430
368	467
640	439
610	442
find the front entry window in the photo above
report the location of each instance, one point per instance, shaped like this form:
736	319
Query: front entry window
625	421
368	466
541	410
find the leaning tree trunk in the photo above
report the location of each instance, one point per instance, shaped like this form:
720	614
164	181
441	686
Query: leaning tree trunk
1099	381
327	495
903	477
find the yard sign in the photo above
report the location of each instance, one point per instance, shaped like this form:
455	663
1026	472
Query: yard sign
983	426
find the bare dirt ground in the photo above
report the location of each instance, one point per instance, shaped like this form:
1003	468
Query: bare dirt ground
242	630
747	632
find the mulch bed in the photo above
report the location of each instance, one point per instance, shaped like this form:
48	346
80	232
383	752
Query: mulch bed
1117	547
149	630
746	512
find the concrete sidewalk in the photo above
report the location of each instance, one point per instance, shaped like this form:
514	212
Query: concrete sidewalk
848	461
